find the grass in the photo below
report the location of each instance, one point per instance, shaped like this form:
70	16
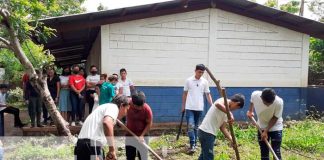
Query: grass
299	138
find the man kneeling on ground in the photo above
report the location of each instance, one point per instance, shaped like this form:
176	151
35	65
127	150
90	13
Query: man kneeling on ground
98	129
215	119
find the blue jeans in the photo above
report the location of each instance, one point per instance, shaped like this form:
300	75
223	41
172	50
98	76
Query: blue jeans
207	141
193	118
276	138
76	106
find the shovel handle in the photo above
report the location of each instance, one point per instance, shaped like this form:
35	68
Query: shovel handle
265	140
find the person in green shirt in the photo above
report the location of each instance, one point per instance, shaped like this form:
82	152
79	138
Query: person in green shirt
107	90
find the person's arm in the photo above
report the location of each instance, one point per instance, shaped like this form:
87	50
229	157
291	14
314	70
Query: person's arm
149	123
108	126
83	87
71	83
222	107
184	99
250	112
120	90
90	84
148	126
225	132
132	88
58	87
209	98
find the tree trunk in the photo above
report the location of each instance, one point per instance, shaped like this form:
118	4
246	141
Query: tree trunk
302	5
37	81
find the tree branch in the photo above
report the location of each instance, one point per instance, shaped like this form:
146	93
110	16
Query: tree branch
5	42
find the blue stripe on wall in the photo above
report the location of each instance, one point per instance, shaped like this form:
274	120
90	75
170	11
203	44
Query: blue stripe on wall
166	101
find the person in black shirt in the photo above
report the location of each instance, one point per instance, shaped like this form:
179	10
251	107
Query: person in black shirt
34	102
53	84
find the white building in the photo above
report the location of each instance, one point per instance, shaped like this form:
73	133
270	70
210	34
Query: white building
248	46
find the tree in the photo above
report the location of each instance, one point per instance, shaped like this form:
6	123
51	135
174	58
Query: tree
19	19
101	7
13	68
317	7
290	7
272	3
316	60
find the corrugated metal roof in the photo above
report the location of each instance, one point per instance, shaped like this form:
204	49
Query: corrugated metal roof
82	29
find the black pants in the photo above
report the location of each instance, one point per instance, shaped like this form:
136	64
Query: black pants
87	149
275	137
15	112
90	99
45	114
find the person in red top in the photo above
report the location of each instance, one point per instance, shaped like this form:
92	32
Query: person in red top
139	120
77	84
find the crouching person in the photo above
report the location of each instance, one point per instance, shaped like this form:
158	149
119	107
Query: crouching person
268	107
139	120
98	130
215	119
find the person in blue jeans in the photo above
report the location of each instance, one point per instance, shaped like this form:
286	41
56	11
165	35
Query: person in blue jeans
215	119
193	103
268	107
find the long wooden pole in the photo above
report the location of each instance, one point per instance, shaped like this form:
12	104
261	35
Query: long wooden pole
143	143
266	141
237	154
222	93
217	82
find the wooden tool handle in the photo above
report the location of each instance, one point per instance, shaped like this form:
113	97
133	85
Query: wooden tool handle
144	144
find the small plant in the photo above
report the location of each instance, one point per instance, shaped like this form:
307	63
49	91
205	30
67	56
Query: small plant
313	114
15	95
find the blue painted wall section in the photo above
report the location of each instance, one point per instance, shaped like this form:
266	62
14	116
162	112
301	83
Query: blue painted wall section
166	101
315	97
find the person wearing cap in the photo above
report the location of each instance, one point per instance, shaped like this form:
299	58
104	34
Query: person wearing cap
268	107
193	102
215	119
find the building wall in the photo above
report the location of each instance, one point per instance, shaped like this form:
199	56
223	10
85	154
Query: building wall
94	57
245	54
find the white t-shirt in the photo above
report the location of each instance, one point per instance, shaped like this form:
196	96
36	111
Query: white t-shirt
265	113
3	98
93	79
196	89
92	127
64	80
126	86
214	118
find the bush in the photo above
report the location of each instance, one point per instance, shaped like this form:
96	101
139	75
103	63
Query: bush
15	95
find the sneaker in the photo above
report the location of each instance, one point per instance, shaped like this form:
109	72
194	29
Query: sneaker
192	149
80	123
73	124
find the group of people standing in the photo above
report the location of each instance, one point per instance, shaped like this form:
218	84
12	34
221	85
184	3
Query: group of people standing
72	90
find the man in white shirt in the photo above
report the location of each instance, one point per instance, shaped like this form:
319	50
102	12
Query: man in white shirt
126	85
193	102
91	81
215	119
268	107
98	130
